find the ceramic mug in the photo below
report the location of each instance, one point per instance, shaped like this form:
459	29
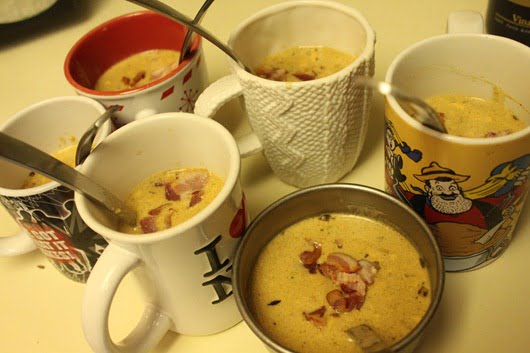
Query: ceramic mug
311	132
186	268
469	190
122	37
46	214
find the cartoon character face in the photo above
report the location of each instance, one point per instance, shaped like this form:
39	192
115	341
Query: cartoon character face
390	140
446	196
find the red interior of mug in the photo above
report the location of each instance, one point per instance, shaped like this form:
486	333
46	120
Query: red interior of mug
118	39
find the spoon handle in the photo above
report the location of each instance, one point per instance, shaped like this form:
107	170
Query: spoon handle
167	11
27	156
184	52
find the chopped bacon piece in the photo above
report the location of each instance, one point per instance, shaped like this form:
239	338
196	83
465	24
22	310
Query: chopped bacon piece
329	271
336	300
304	76
343	262
368	270
140	75
148	224
126	80
309	258
190	182
156	211
351	282
196	197
171	195
317	317
354	301
275	74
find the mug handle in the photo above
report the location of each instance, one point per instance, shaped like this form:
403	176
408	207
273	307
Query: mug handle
17	244
465	22
214	97
110	270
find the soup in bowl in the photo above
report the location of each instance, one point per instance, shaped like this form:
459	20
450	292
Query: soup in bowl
329	258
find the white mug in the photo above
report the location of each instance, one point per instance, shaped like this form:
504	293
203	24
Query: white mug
46	214
311	132
186	268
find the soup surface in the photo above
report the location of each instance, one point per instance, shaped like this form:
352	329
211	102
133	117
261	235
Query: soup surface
475	117
167	199
65	155
326	274
303	64
138	69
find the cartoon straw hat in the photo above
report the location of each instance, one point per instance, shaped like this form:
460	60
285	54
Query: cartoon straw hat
434	171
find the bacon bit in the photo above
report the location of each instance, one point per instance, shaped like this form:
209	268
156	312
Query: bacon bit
336	300
140	75
368	270
148	225
190	182
126	80
328	271
343	262
351	282
196	197
275	74
309	258
156	211
171	195
303	76
317	317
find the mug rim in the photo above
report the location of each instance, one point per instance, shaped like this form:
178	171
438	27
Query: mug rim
13	120
168	119
365	56
196	48
243	305
402	114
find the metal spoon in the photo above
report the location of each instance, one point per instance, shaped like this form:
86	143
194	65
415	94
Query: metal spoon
27	156
186	45
173	14
85	142
414	106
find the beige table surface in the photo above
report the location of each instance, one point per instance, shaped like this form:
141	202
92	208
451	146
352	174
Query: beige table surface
485	311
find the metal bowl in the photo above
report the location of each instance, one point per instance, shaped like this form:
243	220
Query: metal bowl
336	198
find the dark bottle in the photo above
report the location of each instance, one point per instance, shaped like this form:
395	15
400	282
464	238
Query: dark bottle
509	18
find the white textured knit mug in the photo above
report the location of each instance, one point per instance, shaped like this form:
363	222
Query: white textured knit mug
311	132
185	269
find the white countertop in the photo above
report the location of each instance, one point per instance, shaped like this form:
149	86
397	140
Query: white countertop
487	310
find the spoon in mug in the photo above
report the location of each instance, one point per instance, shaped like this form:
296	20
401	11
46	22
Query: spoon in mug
27	156
85	142
414	106
186	45
167	11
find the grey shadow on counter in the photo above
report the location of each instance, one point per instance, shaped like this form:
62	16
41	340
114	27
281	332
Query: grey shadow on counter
62	14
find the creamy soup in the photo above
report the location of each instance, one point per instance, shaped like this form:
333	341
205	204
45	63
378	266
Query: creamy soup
65	155
303	64
326	274
475	117
138	69
166	199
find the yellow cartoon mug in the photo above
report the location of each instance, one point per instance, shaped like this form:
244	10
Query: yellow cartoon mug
469	190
